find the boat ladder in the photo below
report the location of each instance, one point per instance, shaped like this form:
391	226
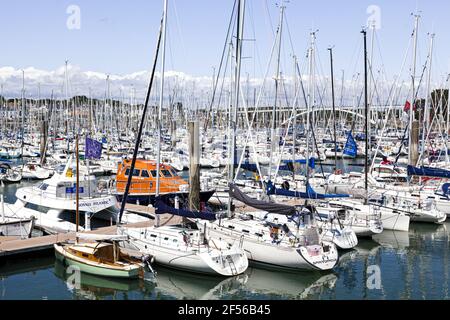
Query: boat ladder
232	265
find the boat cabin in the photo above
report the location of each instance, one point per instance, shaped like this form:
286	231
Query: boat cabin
144	178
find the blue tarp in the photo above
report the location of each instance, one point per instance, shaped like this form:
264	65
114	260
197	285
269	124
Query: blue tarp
162	208
428	172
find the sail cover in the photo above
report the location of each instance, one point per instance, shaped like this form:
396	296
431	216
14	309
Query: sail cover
428	172
309	194
162	208
270	207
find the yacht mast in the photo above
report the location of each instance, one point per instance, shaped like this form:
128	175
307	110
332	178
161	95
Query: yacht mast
234	108
334	109
277	79
141	127
412	153
161	98
426	117
367	123
310	101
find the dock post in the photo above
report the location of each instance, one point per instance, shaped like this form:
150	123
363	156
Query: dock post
43	142
194	166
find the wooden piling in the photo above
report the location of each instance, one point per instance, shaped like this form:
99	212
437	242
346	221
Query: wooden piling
194	166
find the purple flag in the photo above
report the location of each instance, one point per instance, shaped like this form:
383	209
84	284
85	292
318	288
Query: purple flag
93	149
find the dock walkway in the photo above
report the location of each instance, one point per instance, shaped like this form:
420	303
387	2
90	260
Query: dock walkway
13	247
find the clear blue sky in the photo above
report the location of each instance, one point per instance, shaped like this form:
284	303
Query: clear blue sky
119	36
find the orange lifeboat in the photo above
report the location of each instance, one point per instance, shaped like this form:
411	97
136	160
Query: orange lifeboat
143	183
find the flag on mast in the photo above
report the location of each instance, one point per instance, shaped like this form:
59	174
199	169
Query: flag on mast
93	149
351	148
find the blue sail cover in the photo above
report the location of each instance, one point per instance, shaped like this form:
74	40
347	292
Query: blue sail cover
351	148
163	208
248	166
309	194
253	168
312	162
428	172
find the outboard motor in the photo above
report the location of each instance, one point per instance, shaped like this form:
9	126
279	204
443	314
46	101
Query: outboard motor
148	260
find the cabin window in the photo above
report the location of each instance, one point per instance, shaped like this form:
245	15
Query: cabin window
153	236
166	173
136	172
166	238
258	234
231	227
153	172
85	255
245	231
145	174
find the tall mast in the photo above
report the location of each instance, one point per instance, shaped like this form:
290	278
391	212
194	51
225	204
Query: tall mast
66	89
23	115
141	127
366	164
334	108
412	116
234	108
426	117
161	98
310	100
78	187
371	85
277	79
294	127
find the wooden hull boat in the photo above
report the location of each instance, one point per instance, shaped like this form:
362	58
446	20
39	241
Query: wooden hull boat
101	259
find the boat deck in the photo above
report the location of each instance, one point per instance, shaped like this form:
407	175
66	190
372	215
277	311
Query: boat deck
10	247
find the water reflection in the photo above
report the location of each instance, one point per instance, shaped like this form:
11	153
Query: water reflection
413	265
173	284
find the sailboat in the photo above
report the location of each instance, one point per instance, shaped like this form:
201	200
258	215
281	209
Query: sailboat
185	246
102	257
